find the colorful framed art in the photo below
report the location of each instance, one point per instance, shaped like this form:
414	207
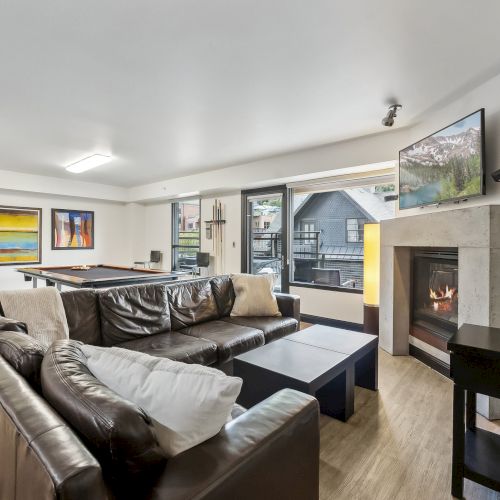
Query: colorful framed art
20	235
72	229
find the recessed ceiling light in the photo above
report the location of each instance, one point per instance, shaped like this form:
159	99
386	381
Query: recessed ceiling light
187	195
88	163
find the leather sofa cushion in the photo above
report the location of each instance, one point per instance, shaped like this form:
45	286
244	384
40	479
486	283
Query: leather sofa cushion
24	354
117	432
273	327
12	325
223	291
175	346
132	312
191	303
82	314
231	339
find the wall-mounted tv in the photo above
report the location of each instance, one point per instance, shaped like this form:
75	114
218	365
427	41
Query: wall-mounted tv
445	166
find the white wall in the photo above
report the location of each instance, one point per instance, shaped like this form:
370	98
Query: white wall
484	96
155	229
341	306
231	232
113	234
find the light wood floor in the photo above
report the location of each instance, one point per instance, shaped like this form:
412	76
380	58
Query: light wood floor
397	445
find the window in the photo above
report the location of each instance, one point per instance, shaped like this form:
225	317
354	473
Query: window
267	224
334	256
185	234
308	231
355	230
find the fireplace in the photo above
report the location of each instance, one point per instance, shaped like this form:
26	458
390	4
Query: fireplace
435	295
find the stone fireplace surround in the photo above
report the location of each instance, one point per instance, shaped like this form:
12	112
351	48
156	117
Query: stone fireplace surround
475	231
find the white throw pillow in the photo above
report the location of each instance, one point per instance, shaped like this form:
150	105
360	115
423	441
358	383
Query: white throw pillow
254	295
188	403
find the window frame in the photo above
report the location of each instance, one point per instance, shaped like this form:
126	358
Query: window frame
359	232
175	246
308	222
291	192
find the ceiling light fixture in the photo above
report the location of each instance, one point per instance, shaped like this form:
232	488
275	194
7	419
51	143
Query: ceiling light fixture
188	195
88	163
388	119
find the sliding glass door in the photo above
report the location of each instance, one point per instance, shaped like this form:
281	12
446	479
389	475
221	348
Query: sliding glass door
265	234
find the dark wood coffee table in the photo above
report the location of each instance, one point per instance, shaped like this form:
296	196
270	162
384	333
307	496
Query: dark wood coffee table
322	361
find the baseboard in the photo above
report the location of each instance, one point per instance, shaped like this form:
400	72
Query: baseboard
429	360
336	323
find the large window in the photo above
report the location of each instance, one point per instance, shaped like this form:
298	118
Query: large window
185	234
328	233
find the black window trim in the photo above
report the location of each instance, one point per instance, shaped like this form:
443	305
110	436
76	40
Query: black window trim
175	231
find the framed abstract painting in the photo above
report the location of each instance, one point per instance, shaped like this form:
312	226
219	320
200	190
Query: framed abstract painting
20	235
72	229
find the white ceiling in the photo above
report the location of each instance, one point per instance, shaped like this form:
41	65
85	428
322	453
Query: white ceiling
175	87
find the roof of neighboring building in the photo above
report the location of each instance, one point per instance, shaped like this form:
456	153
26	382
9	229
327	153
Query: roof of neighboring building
373	205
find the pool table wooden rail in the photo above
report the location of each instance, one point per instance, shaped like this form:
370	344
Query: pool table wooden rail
58	278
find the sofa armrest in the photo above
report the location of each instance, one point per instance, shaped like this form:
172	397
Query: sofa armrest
269	452
41	457
289	305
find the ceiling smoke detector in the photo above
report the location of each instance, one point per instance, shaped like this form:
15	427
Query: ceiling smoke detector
388	119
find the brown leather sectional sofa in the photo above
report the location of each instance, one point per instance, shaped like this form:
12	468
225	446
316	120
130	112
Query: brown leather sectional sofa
188	321
63	435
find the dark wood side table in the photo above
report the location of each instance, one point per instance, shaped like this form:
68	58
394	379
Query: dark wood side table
475	369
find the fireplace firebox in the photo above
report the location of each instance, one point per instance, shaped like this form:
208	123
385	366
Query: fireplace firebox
435	295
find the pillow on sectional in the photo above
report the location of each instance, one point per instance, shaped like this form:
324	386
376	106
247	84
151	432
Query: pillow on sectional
188	403
24	354
116	431
254	295
133	312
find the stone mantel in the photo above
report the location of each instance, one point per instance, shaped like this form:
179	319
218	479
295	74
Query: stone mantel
475	227
475	231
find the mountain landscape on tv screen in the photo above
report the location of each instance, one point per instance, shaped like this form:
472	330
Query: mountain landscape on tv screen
443	166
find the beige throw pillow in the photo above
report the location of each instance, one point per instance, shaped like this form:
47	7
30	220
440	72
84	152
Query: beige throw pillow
254	295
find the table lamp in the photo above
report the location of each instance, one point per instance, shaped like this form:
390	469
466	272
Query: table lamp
371	279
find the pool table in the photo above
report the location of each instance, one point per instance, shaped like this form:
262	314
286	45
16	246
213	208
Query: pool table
98	276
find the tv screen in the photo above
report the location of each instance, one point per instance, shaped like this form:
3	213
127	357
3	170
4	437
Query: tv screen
446	166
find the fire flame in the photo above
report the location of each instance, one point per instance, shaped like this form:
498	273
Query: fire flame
442	299
448	293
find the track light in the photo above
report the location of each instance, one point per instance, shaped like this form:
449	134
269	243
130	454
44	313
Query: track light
388	120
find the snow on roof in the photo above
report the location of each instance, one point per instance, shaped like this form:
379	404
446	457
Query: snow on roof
373	204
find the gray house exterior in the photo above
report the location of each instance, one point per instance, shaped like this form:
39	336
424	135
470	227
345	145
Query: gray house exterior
329	234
